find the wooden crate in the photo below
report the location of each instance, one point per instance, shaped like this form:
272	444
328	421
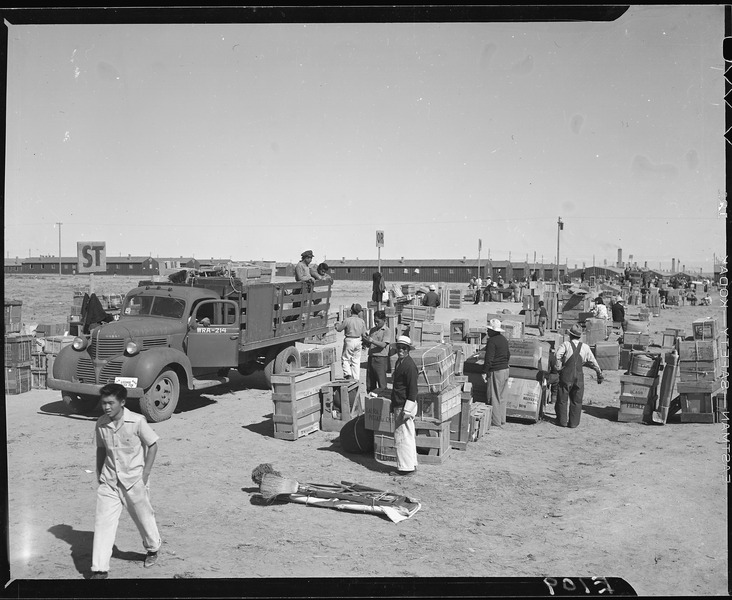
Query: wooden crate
318	357
435	366
432	440
39	360
705	329
699	370
56	343
607	355
480	421
698	350
38	379
300	382
51	329
295	419
720	408
459	329
12	316
703	407
17	380
341	402
638	387
636	340
18	350
460	423
634	409
439	406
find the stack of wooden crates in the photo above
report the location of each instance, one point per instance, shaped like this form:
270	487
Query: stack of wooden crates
296	400
639	387
439	399
700	374
526	388
18	350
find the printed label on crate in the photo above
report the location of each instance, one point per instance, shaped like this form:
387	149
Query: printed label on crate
128	382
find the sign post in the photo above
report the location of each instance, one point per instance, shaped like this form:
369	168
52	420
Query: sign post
379	245
91	258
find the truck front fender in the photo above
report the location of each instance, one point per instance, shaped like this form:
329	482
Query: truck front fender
147	365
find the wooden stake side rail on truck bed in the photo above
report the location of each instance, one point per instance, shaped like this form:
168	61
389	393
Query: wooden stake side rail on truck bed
285	312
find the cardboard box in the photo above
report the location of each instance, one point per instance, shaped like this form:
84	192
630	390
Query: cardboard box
523	399
524	353
378	413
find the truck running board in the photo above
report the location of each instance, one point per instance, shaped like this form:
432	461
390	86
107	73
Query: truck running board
200	384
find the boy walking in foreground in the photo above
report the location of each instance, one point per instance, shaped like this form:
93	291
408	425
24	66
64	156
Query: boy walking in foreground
126	450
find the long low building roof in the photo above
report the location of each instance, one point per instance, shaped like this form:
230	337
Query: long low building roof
432	262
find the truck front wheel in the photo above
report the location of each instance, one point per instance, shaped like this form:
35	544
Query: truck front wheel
160	400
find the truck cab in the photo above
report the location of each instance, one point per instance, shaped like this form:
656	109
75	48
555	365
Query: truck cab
173	335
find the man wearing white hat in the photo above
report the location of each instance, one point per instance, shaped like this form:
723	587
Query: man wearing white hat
496	371
431	298
404	405
570	357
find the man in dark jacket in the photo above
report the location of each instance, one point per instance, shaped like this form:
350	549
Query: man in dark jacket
618	312
431	298
496	371
404	405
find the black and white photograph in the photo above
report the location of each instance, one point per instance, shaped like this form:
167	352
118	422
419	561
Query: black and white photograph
454	275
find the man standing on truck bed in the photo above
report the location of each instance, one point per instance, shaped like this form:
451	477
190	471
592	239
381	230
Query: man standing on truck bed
126	450
354	328
302	270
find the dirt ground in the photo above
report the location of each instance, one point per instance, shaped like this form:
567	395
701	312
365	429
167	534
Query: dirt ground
644	503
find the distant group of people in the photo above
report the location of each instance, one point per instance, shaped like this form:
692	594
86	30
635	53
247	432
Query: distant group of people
487	290
306	271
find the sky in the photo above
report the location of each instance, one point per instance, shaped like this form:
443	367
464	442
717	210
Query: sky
257	141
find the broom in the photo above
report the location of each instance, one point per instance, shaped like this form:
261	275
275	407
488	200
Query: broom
260	470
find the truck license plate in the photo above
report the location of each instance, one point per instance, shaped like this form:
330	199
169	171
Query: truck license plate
128	382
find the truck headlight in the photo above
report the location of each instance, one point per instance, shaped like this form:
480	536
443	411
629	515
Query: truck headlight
79	343
131	348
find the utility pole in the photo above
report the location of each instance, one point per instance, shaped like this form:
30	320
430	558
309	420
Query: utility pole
560	226
59	248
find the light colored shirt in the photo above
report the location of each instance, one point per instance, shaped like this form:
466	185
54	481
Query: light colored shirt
353	326
565	351
126	445
380	334
302	272
600	311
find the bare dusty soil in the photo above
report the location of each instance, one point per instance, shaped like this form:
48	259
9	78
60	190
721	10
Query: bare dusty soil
644	503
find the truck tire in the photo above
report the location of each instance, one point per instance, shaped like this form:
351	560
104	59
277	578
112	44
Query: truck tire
161	398
248	368
79	404
284	361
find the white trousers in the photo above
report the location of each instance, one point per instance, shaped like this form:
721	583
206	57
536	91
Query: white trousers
110	500
405	442
351	357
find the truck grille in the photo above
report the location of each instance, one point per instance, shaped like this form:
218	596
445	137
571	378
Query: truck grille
111	370
101	348
85	372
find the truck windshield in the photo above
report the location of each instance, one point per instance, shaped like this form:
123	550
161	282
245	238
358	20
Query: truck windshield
154	306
